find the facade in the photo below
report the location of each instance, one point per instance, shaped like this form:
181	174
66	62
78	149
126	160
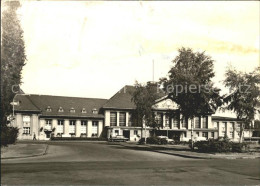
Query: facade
42	116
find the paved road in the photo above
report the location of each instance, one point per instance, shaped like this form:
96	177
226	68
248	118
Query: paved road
106	163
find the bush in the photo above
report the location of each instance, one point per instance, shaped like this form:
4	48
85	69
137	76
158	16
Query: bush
162	141
152	140
212	145
240	147
9	135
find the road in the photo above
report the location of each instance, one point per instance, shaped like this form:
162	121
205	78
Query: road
110	163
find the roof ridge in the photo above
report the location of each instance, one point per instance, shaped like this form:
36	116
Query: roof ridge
66	96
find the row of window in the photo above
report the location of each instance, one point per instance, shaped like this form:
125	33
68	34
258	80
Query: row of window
159	120
72	110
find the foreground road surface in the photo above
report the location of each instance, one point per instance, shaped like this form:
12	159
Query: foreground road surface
105	163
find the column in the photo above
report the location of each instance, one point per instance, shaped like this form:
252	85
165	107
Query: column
189	124
210	123
55	125
164	120
89	128
19	125
78	128
236	137
201	121
219	126
117	118
66	127
126	118
107	118
228	124
171	123
100	127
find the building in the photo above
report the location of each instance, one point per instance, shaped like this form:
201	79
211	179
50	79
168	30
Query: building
43	116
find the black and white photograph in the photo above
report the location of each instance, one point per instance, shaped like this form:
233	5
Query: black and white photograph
130	92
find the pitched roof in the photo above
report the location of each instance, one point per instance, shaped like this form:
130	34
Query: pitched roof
42	102
123	99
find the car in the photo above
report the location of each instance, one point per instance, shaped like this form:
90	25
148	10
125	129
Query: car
170	141
200	139
118	138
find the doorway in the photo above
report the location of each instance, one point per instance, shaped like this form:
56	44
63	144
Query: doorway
126	133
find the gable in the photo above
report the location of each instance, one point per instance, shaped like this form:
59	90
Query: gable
165	104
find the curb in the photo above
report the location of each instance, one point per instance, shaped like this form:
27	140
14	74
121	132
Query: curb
194	156
35	155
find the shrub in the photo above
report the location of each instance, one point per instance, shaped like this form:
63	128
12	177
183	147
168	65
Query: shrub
9	135
162	141
240	147
152	140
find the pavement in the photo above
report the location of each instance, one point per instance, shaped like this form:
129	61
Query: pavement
103	163
23	150
185	151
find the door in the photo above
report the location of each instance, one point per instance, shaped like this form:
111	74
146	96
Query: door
126	134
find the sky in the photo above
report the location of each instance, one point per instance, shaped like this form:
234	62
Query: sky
94	48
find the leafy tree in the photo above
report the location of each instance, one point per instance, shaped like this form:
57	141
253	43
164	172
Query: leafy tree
12	56
144	98
244	98
189	83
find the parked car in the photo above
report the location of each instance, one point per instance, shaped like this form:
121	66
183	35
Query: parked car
169	141
118	138
200	139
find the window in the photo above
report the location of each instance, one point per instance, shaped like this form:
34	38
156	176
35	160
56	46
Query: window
175	122
231	134
83	128
184	134
167	121
48	124
94	128
158	119
60	126
26	130
72	110
184	122
26	121
122	119
198	134
113	118
72	127
205	122
212	134
94	111
116	132
205	134
60	109
135	132
83	110
197	122
215	125
48	109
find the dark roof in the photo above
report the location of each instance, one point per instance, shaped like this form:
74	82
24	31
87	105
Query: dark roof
42	102
123	99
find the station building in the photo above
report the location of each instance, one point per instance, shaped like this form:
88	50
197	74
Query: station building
44	116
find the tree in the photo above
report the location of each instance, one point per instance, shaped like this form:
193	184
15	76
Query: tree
244	98
189	84
12	56
144	98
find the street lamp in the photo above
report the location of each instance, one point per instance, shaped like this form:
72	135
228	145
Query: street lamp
13	103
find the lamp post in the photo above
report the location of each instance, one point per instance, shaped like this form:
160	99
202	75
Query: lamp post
13	103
